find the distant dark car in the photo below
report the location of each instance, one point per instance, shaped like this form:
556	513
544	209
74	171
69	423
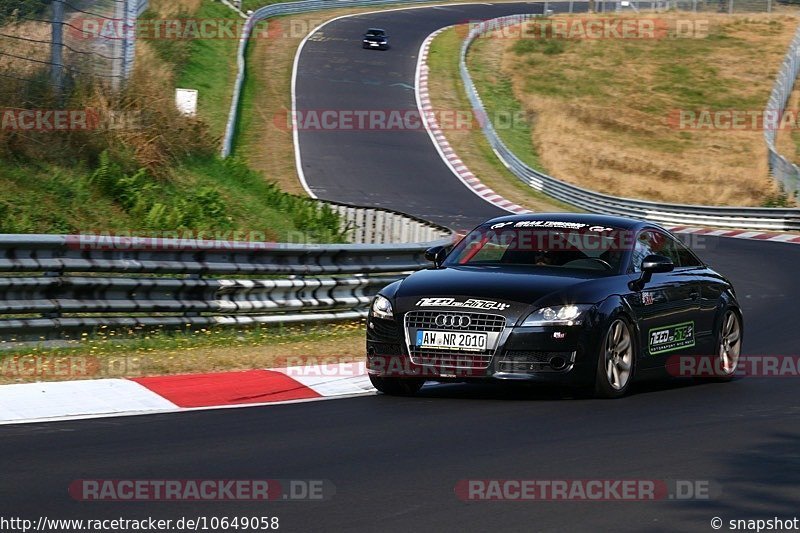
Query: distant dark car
375	38
586	300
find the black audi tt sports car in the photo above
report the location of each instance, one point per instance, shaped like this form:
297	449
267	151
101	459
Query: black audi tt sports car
585	300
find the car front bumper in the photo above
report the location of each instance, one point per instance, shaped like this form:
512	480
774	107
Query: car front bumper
547	354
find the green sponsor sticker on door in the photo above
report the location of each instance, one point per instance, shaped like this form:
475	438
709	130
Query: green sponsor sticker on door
671	338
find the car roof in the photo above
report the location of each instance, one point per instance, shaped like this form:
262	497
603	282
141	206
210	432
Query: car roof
584	218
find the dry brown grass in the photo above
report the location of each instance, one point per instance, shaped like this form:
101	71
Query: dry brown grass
267	147
167	8
605	127
334	348
34	51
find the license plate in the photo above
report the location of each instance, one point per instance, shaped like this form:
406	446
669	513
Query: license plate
451	339
373	44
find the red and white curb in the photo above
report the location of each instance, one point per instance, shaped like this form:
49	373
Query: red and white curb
60	400
441	143
739	234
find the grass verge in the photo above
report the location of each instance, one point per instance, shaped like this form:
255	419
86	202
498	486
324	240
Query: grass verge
448	95
156	170
161	353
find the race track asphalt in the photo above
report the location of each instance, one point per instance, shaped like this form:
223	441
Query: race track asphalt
392	167
395	461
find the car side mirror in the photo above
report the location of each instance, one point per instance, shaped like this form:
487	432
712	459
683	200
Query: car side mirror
436	255
652	264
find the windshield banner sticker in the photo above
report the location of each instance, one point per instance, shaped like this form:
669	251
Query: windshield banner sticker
471	303
549	224
671	338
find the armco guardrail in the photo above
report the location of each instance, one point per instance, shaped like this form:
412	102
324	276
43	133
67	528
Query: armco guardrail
783	170
371	225
672	214
83	282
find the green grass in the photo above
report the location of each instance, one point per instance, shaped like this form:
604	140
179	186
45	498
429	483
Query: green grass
51	199
108	342
11	10
79	189
207	65
255	4
215	89
244	134
498	99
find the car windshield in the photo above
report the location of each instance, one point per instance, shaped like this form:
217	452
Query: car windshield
375	33
538	243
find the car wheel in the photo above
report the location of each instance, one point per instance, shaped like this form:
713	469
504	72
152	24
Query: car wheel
729	345
397	386
616	362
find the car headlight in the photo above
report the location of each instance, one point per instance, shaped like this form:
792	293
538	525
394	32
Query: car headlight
560	315
382	308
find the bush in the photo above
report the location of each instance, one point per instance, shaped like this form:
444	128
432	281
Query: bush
11	10
154	204
545	46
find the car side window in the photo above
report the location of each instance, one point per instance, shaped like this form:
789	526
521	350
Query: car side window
655	242
686	256
665	245
641	249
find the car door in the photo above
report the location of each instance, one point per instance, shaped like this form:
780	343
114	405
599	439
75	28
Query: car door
667	306
711	286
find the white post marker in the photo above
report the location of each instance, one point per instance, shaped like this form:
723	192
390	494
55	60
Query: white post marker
186	101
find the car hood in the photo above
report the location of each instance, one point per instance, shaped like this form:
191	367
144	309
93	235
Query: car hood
511	291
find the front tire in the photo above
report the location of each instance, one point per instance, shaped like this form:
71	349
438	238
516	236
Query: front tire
616	360
397	386
729	345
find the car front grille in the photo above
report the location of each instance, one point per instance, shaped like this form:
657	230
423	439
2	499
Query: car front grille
533	361
479	322
452	359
